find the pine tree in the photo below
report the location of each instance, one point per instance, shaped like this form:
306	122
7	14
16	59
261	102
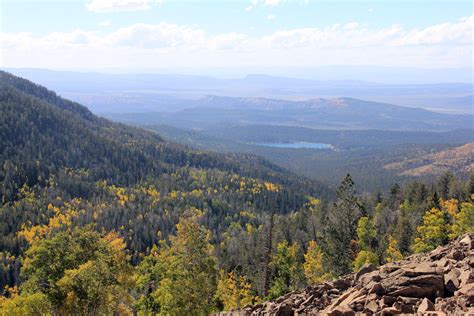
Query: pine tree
404	230
443	185
340	233
268	255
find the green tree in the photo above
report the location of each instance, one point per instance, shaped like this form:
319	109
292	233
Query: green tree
340	233
148	277
287	269
79	271
24	304
404	229
463	220
366	233
188	272
433	232
365	257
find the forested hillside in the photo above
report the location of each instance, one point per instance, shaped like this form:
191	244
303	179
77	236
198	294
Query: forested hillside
99	217
362	153
458	159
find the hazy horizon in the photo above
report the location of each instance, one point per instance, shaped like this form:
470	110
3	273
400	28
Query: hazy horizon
363	73
146	34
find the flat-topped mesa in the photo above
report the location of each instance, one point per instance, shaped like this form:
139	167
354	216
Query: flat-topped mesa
437	283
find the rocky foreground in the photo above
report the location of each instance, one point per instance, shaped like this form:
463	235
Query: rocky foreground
438	283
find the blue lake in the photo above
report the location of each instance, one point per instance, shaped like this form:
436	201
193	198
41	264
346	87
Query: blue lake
297	145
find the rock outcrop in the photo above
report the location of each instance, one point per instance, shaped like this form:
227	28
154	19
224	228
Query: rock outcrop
437	283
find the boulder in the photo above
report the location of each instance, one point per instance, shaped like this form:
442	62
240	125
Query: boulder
467	290
415	291
425	306
419	269
371	307
390	311
404	308
374	276
451	281
341	310
366	268
468	241
387	301
377	288
456	254
284	310
466	277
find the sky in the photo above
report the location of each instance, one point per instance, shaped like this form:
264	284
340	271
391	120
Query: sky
135	35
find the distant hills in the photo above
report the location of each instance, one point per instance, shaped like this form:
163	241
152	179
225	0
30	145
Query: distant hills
458	160
158	92
335	113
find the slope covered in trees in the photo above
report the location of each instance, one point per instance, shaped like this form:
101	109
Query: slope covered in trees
99	217
60	164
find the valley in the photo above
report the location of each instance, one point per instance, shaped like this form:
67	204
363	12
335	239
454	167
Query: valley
236	158
88	201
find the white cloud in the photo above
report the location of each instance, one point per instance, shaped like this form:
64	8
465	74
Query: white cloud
103	6
461	32
271	17
105	23
271	3
152	45
265	3
152	36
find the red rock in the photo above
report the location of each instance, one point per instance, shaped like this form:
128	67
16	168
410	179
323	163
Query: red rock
377	288
371	307
404	308
451	282
425	306
340	310
415	291
390	311
397	288
366	268
466	277
467	241
467	290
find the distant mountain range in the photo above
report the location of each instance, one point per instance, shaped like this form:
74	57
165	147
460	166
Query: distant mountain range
105	93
